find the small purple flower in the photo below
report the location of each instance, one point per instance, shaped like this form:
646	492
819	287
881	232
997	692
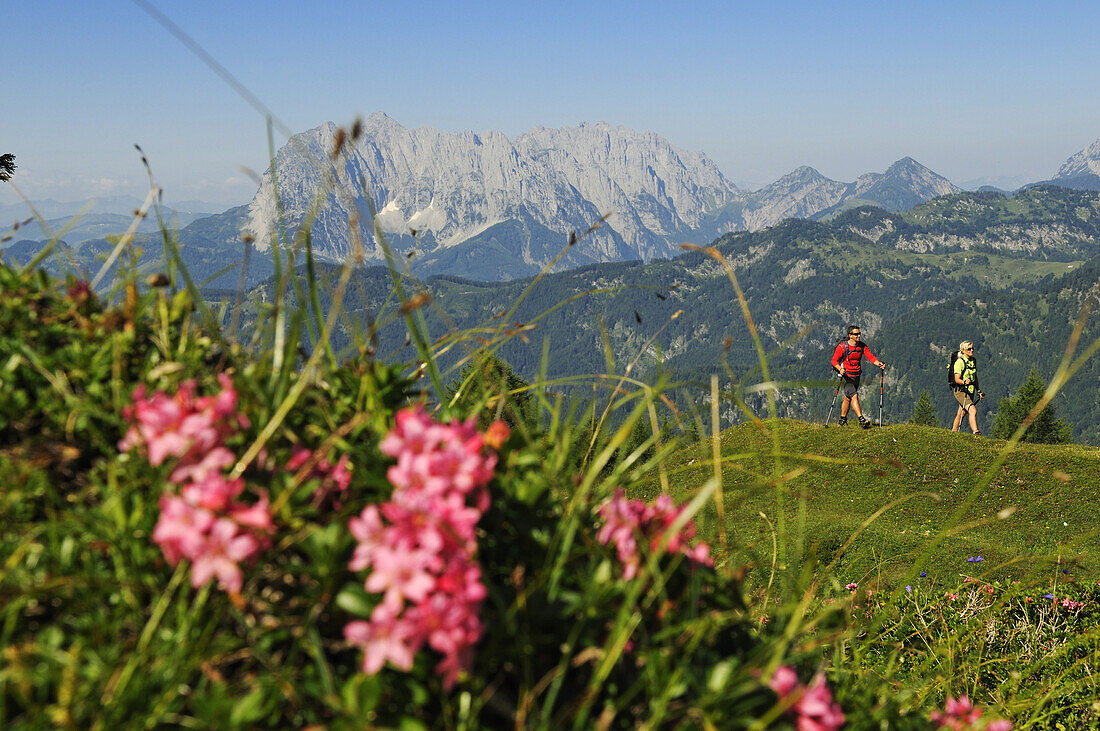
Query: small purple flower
974	559
925	573
908	589
1048	596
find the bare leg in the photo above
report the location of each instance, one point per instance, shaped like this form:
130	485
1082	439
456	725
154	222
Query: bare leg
855	405
844	407
958	419
973	411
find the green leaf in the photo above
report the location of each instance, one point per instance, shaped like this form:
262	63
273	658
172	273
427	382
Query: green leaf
361	694
719	676
354	600
248	709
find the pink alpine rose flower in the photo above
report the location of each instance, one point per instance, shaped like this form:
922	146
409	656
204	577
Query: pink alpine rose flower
628	521
813	708
206	523
420	546
220	555
384	639
962	715
783	681
181	528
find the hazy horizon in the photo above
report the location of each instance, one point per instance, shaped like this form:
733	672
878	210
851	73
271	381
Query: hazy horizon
982	93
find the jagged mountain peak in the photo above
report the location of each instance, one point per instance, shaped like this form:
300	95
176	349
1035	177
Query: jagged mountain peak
905	184
1085	162
803	173
907	166
484	205
457	187
905	163
798	179
379	117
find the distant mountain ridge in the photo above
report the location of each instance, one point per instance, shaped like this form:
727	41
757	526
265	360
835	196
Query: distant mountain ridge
118	205
487	207
806	193
1081	171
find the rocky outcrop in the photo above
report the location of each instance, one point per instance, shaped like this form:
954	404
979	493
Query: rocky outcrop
1081	171
1085	162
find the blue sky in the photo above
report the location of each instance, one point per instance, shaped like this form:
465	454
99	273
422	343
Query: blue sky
970	89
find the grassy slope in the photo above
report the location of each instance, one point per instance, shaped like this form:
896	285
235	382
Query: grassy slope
851	473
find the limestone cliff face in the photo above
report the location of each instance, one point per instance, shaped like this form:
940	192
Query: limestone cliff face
806	193
798	194
485	206
1085	162
452	187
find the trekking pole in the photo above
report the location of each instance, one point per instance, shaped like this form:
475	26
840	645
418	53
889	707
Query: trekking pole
881	385
829	418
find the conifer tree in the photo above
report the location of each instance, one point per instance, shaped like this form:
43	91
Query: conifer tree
924	413
490	381
1011	412
7	166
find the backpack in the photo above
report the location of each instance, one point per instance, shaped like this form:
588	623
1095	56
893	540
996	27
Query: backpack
955	355
951	369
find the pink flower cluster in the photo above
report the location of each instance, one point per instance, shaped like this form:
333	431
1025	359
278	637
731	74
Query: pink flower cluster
334	479
625	521
961	715
205	523
420	546
813	708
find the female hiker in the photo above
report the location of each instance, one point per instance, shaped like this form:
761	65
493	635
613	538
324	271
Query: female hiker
964	384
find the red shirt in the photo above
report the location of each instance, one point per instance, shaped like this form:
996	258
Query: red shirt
853	362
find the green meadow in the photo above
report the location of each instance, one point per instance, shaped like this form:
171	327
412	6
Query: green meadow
885	501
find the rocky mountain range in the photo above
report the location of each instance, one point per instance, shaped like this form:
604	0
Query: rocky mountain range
487	207
1081	171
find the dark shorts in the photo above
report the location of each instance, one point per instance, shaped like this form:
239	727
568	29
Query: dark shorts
850	385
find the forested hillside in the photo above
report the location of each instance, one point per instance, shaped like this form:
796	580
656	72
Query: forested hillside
1013	330
1042	222
804	282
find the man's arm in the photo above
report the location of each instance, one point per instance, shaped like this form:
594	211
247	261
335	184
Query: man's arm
873	358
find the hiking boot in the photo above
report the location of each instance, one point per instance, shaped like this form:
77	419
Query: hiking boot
978	433
864	423
842	421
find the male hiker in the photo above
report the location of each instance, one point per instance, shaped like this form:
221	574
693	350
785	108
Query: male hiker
848	361
964	384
